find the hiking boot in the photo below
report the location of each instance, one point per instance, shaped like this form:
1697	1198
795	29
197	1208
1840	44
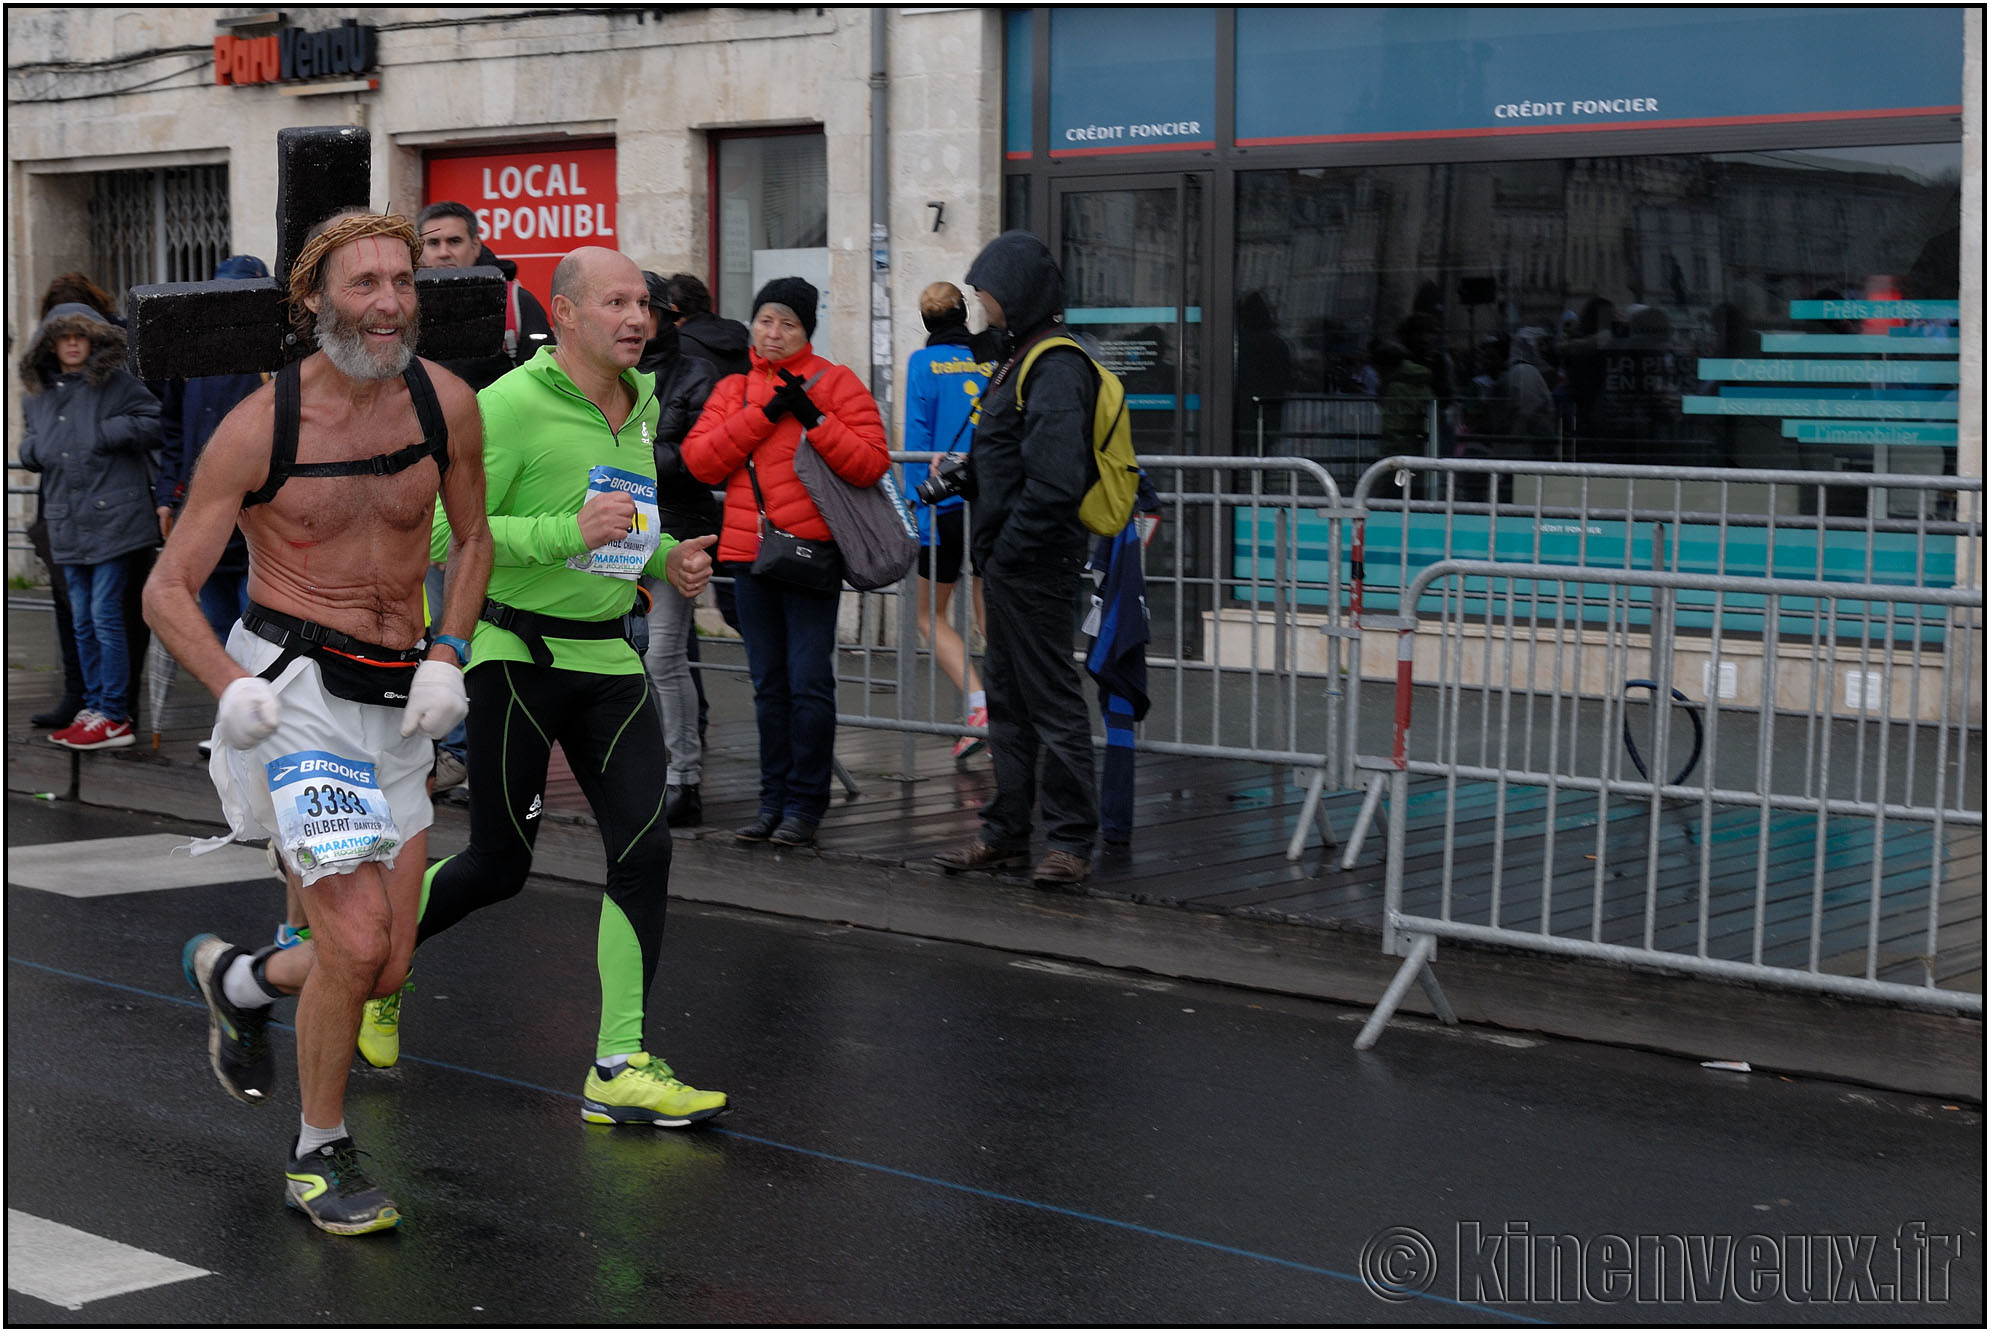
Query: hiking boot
794	831
330	1186
1060	869
978	855
60	717
379	1038
970	745
237	1038
759	830
645	1091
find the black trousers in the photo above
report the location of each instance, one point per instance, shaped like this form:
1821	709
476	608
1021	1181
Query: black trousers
608	728
1039	724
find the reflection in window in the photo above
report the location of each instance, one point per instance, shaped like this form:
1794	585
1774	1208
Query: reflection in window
1636	309
773	197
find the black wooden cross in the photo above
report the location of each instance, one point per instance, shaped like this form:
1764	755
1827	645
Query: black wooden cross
183	330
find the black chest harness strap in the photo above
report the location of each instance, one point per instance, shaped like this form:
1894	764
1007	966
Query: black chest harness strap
283	462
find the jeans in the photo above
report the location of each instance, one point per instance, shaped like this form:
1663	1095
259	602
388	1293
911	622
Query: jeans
96	607
1037	715
224	599
668	661
790	637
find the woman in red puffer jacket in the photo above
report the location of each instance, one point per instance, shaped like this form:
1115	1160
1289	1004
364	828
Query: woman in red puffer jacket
790	631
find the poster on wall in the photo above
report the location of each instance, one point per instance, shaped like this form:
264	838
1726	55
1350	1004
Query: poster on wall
812	264
535	203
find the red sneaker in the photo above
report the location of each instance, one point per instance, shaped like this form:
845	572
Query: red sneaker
970	745
75	728
97	732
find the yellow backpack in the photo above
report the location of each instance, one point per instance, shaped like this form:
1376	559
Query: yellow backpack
1108	503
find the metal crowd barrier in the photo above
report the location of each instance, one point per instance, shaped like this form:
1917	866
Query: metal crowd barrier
1244	588
1711	721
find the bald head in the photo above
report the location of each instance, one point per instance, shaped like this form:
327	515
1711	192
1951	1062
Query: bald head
584	268
600	310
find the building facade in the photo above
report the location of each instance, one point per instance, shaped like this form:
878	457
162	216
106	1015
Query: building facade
1729	237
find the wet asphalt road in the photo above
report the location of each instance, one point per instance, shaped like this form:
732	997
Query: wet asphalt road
937	1134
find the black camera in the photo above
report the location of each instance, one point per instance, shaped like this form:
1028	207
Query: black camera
950	476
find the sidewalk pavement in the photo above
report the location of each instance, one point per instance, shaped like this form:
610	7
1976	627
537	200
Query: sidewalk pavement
872	870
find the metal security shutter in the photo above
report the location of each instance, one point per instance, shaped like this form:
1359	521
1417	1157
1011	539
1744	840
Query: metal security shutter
165	225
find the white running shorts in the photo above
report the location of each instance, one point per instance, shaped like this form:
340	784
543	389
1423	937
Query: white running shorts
335	787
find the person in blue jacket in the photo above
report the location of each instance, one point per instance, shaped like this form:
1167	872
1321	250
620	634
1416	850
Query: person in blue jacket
943	383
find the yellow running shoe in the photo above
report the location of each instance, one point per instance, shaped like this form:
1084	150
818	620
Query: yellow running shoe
380	1028
644	1091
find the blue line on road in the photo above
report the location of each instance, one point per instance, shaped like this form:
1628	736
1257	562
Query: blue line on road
1053	1208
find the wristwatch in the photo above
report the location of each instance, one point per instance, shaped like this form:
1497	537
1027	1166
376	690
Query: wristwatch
454	644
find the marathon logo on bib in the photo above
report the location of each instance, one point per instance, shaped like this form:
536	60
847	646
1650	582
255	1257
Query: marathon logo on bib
626	557
330	809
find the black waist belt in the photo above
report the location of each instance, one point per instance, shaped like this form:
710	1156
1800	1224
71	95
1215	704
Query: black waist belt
287	631
350	668
534	628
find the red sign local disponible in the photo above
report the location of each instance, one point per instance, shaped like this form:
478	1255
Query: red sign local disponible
534	204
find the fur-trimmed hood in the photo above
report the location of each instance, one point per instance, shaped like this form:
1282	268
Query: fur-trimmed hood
39	367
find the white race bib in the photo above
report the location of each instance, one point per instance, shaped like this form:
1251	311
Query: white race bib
624	558
329	810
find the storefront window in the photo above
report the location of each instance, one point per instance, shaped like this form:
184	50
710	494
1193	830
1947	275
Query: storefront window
773	220
1755	309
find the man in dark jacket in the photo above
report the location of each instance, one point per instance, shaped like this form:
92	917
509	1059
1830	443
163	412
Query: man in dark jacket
719	340
91	429
685	509
449	239
189	412
1032	461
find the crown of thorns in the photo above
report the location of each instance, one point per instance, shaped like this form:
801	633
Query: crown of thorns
340	232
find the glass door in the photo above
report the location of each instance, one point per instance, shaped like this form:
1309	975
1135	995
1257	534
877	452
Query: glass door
1132	252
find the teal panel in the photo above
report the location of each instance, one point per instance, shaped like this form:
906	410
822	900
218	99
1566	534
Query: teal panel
1396	551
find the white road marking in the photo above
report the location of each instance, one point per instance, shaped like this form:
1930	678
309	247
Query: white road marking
71	1267
1124	979
102	866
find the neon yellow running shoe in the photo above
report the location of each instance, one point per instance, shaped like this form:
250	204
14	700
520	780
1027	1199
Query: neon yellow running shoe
380	1028
645	1091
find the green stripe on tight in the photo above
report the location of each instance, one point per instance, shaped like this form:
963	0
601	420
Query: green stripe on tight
620	957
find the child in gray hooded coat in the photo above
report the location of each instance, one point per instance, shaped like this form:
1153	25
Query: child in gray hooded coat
91	430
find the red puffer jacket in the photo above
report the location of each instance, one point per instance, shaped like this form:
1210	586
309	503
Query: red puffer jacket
732	428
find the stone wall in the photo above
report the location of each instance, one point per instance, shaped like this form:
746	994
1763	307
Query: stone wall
658	84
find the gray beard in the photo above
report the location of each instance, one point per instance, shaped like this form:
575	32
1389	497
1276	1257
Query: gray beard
350	355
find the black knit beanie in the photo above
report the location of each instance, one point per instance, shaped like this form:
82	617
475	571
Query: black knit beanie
798	294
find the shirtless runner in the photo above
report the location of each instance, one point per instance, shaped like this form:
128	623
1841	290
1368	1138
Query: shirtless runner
330	692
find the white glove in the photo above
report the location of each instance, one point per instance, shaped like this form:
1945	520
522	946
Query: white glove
436	700
249	713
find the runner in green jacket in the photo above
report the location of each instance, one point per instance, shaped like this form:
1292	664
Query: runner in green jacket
571	488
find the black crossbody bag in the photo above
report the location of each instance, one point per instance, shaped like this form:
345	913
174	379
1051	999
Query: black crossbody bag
802	561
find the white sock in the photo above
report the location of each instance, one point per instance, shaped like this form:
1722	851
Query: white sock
611	1064
977	699
310	1139
239	985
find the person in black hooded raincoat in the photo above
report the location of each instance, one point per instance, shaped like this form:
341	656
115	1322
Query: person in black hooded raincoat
1030	471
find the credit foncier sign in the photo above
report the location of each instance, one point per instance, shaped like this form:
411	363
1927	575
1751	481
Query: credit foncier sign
534	204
